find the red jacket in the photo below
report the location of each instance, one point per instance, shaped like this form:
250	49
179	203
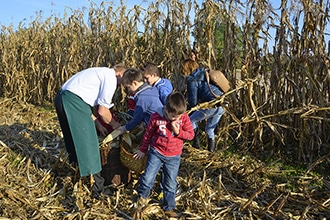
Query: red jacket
159	135
131	102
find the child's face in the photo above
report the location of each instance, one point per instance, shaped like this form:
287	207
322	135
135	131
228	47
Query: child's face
133	86
150	78
172	117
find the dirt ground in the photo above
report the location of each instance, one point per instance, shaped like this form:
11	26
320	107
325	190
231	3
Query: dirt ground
37	183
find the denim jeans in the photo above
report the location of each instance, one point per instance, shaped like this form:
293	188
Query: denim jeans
170	172
213	116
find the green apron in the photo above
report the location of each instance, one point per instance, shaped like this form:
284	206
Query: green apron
83	133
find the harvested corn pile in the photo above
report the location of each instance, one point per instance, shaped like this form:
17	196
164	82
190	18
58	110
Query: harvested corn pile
37	183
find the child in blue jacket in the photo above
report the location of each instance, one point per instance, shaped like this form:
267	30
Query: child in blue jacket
152	77
146	99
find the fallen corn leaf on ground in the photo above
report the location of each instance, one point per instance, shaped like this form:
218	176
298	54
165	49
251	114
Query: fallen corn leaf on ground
37	183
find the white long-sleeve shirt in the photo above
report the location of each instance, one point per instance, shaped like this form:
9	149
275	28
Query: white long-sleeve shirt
96	85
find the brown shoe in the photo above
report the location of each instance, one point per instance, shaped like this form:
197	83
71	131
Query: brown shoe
172	214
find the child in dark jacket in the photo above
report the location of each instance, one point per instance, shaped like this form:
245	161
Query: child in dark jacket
199	92
166	131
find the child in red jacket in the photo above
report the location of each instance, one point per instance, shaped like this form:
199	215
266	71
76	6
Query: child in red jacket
165	134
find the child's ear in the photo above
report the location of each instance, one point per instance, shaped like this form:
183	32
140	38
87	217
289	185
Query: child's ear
134	82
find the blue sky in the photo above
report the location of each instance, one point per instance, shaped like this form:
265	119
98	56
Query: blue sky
15	11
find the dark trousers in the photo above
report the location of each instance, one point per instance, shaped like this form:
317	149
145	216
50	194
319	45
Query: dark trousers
98	186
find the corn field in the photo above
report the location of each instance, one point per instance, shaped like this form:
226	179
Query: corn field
279	102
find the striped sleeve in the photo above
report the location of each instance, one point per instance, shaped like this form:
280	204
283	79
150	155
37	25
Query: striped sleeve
187	130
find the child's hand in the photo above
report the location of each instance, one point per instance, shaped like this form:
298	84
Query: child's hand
138	155
175	127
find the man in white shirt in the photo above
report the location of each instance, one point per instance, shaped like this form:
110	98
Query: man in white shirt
74	102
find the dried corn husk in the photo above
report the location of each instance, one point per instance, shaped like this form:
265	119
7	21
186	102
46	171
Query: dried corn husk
127	139
110	137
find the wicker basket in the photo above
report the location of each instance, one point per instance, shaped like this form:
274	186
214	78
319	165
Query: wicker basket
128	161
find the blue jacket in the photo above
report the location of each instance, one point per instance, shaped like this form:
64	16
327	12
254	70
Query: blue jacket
198	89
165	88
146	102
